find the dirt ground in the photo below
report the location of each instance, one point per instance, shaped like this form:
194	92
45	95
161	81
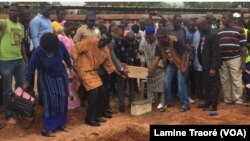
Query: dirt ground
123	126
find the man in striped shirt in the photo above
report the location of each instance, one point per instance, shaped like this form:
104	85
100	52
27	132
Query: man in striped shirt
232	46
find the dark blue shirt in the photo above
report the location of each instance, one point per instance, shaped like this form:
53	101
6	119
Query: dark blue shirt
52	66
126	52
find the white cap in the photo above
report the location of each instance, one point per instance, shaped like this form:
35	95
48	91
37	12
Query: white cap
236	15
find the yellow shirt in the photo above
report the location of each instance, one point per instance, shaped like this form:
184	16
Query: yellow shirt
247	56
11	42
57	27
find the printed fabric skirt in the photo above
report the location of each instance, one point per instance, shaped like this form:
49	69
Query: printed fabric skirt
155	82
54	93
73	99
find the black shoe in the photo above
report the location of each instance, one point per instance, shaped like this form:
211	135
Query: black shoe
48	134
100	120
212	113
122	109
106	115
93	123
184	108
109	111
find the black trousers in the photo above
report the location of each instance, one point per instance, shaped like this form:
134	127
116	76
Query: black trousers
199	85
32	82
92	104
191	81
112	82
212	89
104	97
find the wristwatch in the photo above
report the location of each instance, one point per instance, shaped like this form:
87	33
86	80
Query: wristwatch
122	69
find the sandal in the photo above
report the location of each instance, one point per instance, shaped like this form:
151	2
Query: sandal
48	134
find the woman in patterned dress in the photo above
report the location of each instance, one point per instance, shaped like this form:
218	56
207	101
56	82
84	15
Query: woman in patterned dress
73	99
52	81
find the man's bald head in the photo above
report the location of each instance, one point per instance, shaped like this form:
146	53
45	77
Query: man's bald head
130	37
202	24
201	20
130	34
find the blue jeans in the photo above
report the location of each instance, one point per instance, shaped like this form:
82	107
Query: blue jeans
182	85
8	69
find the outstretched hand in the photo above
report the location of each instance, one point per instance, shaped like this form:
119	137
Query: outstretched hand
124	74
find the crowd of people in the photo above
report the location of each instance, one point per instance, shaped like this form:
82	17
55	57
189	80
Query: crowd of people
186	58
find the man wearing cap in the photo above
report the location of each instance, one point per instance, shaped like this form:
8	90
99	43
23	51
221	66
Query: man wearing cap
147	49
88	30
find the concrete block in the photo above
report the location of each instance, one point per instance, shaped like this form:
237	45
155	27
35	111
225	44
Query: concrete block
141	107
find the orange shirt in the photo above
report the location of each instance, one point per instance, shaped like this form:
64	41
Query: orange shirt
88	58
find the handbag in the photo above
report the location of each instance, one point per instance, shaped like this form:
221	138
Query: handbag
24	107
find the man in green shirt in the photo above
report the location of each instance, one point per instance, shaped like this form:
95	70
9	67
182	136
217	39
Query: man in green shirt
12	58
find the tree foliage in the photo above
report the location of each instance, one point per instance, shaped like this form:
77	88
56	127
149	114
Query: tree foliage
141	4
123	4
211	4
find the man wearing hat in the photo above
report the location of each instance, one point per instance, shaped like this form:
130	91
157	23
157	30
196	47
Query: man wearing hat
147	49
87	30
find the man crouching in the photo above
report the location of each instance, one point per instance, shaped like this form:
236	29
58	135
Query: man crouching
89	55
